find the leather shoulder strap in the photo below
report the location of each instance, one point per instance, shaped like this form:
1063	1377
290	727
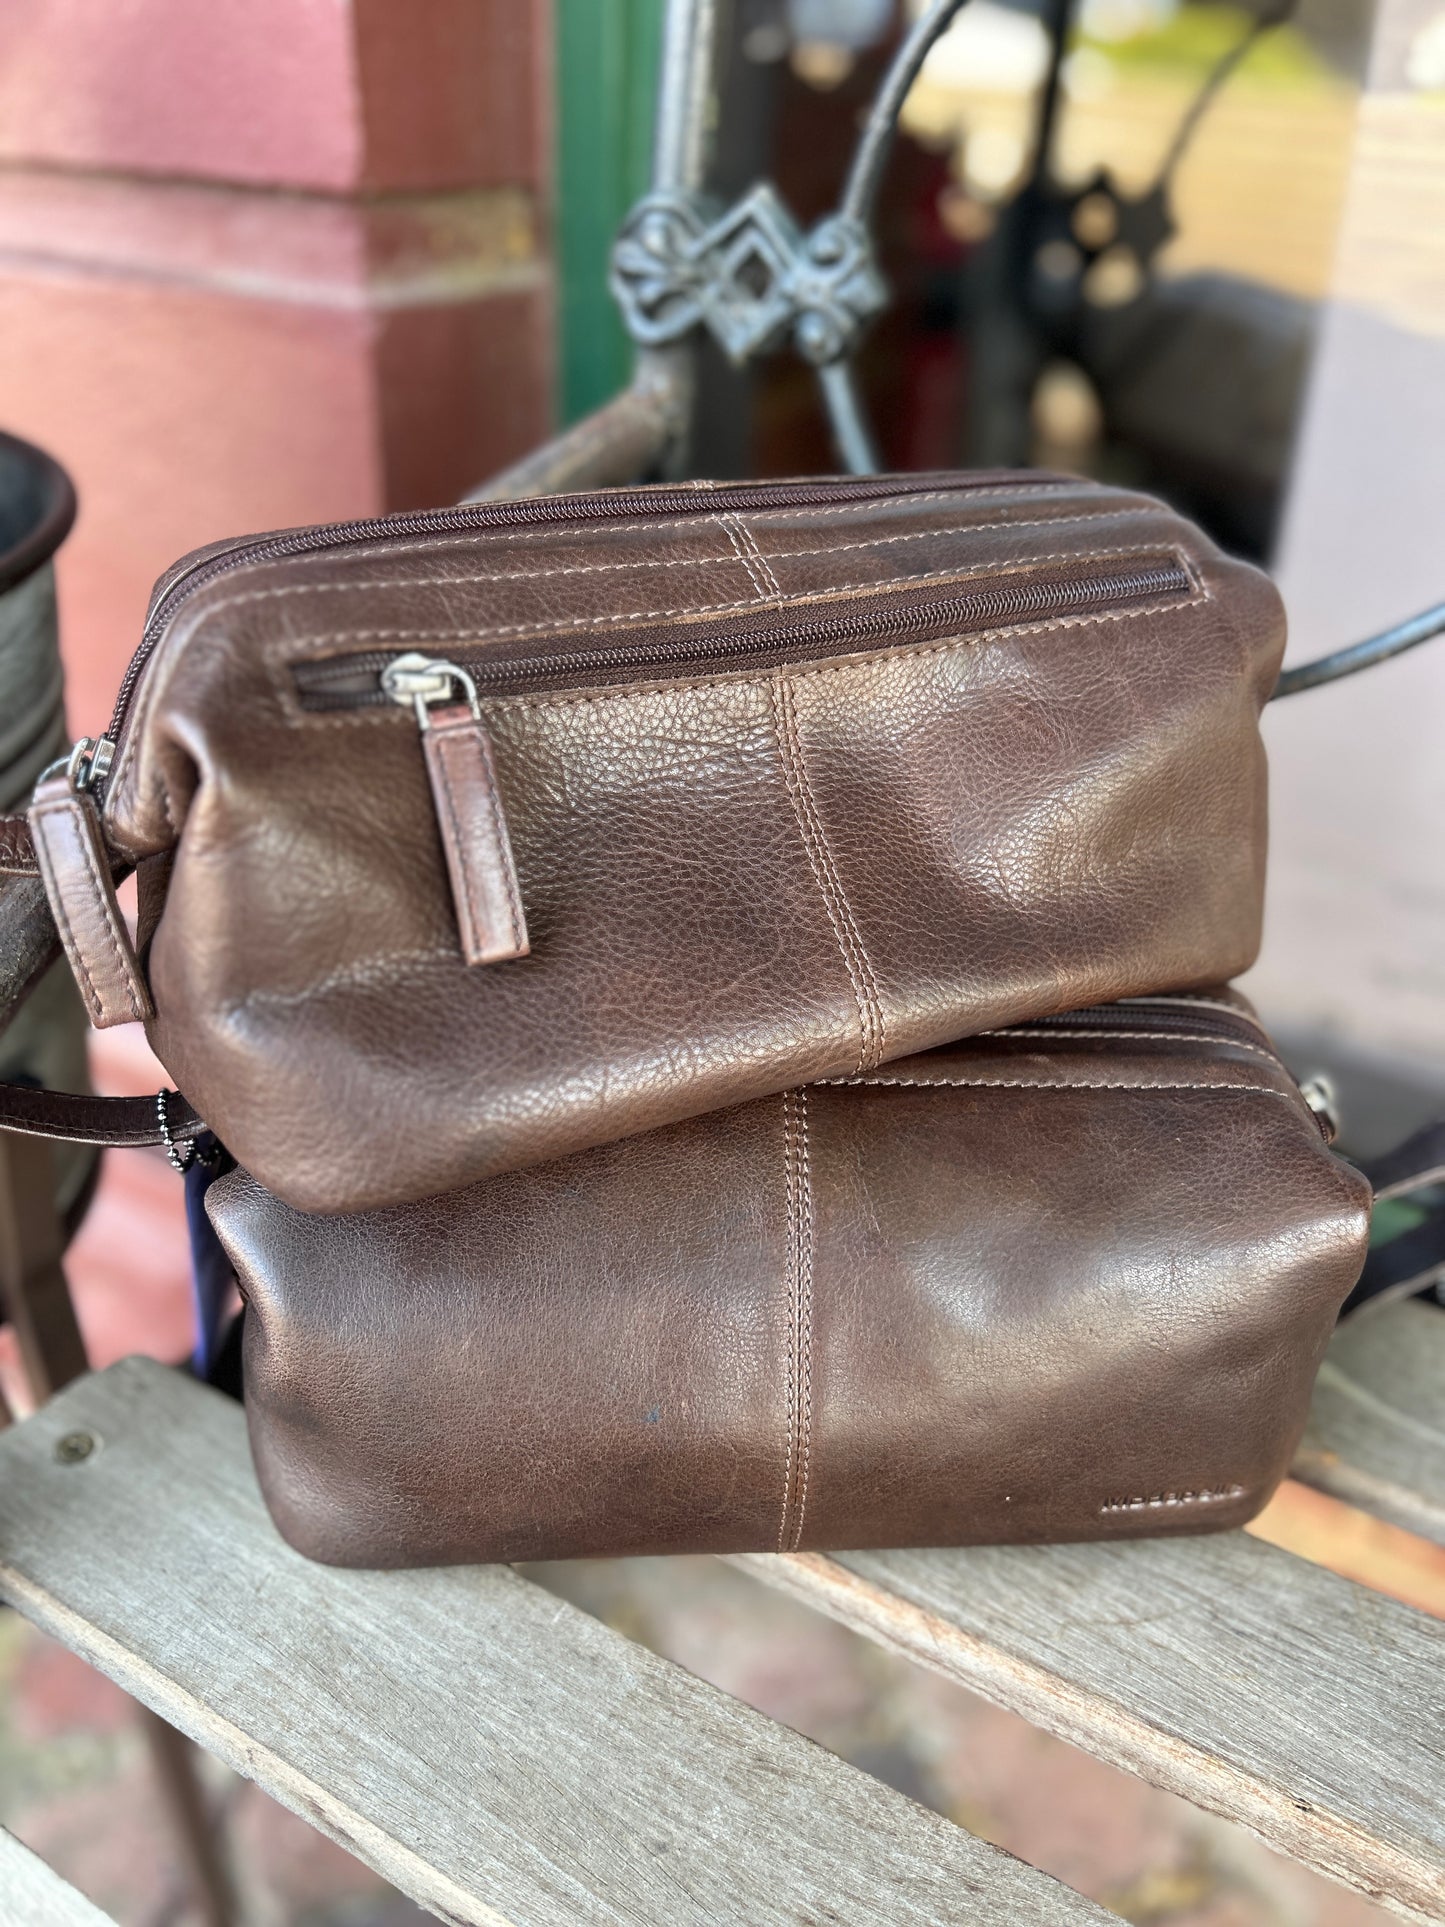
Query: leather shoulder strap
1403	1268
97	1120
68	1116
1410	1263
1420	1160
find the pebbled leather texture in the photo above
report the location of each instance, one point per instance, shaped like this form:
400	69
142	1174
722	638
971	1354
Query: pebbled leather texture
739	874
75	867
17	850
1059	1283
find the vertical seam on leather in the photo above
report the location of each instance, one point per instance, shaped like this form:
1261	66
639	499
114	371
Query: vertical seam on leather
790	1190
798	1185
766	567
726	524
877	1022
778	690
58	909
803	1328
163	789
860	965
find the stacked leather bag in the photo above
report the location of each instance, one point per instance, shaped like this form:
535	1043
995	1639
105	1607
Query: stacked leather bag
717	996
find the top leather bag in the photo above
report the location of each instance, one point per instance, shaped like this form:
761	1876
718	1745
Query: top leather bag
470	839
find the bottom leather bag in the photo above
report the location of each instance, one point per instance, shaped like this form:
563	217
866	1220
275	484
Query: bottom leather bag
1066	1281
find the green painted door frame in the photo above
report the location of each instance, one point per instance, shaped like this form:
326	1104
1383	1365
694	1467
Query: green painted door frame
606	55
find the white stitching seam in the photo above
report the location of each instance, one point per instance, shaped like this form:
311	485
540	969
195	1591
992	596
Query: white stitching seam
875	1040
829	889
280	655
798	1184
443	539
804	1321
559	625
790	1380
361	718
774	586
728	524
136	732
729	529
1031	1084
1056	1031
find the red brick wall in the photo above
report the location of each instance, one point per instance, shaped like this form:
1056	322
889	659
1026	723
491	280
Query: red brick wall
265	262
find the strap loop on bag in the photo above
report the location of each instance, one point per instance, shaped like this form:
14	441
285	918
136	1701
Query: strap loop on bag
31	939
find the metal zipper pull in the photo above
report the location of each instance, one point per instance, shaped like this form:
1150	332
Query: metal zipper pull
1319	1093
468	809
89	763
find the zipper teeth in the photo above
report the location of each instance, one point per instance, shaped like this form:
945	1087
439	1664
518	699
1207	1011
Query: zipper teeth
1179	1016
1184	1018
976	607
534	509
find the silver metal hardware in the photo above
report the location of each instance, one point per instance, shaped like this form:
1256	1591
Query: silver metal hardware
102	755
77	767
183	1155
751	276
421	681
1319	1093
87	764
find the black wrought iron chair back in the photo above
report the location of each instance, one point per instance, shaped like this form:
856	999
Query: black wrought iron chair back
753	279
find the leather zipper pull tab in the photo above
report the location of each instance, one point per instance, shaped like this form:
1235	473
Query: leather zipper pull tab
75	868
469	812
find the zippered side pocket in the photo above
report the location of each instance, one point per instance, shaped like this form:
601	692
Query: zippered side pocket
469	810
765	638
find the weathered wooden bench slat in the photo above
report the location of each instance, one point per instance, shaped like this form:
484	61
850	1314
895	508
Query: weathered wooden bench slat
494	1752
33	1895
1252	1683
1376	1434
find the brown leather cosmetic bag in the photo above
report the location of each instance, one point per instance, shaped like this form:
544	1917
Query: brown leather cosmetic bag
471	839
1066	1281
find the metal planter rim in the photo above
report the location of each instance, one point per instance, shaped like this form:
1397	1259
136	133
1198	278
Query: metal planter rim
56	499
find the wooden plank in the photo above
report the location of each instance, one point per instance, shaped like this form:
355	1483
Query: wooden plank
1376	1433
489	1749
36	1896
1253	1684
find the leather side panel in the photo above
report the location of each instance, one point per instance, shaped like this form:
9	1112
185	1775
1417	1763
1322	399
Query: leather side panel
588	1357
681	953
1014	838
1065	1314
854	1316
733	881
